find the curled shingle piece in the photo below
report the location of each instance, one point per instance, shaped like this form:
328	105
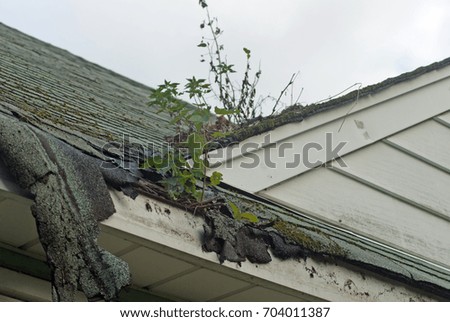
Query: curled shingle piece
70	197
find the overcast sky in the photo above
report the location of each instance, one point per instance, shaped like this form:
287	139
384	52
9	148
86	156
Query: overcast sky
333	44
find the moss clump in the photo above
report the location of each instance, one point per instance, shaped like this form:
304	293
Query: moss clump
311	239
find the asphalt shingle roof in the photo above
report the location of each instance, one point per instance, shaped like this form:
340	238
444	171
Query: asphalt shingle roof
78	101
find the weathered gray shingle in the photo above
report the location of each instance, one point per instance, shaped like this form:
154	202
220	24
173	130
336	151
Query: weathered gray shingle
74	99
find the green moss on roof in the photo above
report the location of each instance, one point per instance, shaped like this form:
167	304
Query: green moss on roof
48	86
313	239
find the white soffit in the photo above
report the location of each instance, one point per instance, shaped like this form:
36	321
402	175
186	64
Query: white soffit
21	287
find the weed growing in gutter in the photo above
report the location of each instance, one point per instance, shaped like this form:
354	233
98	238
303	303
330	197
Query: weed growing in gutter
183	166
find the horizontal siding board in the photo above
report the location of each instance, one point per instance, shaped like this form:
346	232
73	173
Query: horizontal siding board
260	294
444	119
17	225
192	286
404	176
359	130
24	287
4	298
359	208
429	140
149	267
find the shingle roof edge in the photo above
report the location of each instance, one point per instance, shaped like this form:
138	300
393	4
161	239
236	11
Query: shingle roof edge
298	113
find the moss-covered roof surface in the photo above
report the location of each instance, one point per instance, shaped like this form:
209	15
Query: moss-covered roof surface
73	98
48	90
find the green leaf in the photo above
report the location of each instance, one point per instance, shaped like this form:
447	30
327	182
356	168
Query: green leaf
202	44
247	52
180	117
235	210
155	162
197	171
146	165
200	116
172	184
249	216
197	87
224	111
218	135
179	161
223	68
195	145
238	215
216	178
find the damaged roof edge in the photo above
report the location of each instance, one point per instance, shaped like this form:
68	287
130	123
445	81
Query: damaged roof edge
326	241
70	196
280	236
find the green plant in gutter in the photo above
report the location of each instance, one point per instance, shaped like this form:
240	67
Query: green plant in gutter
184	176
184	165
196	123
238	215
237	98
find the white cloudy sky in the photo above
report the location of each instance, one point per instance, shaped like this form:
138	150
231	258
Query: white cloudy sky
334	44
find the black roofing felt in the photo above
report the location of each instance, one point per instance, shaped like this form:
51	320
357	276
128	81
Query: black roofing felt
63	98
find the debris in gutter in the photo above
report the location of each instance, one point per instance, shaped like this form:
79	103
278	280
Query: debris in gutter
238	241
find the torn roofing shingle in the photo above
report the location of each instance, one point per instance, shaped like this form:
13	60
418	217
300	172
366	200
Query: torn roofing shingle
70	197
76	100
